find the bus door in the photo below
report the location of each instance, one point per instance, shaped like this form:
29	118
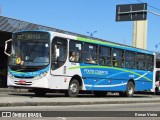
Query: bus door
58	56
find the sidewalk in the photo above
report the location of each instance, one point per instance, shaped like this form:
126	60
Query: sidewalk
21	98
12	90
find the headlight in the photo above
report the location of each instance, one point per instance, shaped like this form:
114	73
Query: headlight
10	75
40	76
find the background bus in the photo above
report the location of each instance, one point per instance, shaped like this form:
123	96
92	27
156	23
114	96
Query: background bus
46	61
157	74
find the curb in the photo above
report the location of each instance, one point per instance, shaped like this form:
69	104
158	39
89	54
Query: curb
13	90
72	103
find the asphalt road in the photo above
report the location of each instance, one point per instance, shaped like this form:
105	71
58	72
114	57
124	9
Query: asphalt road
84	104
97	107
112	109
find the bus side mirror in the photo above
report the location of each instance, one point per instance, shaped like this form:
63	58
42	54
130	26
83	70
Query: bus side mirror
6	46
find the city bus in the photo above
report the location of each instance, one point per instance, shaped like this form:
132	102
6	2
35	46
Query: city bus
47	61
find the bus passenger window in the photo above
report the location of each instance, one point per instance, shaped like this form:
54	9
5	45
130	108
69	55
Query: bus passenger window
90	60
115	63
90	53
140	61
105	56
129	59
75	51
74	57
149	62
59	52
118	58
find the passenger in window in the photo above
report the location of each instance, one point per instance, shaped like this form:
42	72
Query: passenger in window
90	60
74	57
115	62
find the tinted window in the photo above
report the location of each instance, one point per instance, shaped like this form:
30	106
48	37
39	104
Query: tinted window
59	45
129	59
149	62
118	58
140	61
75	51
90	53
105	56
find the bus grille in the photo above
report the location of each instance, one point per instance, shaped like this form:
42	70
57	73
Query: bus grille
27	83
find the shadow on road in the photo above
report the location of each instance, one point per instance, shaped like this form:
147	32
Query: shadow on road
57	95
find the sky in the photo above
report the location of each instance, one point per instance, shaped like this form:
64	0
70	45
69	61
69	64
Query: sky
85	17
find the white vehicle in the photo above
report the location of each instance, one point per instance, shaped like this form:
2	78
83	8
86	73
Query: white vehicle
157	74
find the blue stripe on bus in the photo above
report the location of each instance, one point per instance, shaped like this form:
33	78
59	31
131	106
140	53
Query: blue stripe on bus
28	74
112	78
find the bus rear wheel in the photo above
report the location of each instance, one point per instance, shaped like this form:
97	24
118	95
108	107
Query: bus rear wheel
130	89
73	89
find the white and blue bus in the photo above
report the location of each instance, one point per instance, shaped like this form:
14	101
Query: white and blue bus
47	61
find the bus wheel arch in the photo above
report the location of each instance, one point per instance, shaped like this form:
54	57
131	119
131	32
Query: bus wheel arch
74	86
79	79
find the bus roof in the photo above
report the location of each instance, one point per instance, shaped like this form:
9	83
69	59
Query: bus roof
105	43
94	40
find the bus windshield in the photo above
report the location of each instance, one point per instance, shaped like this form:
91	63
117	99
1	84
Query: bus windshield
29	54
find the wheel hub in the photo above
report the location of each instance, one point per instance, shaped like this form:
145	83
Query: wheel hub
73	88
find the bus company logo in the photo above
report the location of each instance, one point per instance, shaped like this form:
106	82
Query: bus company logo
17	24
95	72
6	114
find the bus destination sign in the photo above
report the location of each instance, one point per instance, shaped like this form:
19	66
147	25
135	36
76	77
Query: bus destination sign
31	36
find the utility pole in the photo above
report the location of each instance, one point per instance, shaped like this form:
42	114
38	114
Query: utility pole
138	14
0	9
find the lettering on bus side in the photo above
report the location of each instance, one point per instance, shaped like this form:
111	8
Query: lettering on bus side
96	72
131	76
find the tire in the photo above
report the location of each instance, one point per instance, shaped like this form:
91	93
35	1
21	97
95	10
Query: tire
156	91
73	89
99	93
39	92
129	89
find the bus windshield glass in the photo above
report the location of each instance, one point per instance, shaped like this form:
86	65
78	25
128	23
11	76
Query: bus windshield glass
29	51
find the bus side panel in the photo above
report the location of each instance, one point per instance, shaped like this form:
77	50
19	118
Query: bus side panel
142	85
59	82
61	77
114	79
145	81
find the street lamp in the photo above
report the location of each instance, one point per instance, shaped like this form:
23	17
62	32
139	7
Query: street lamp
156	46
91	33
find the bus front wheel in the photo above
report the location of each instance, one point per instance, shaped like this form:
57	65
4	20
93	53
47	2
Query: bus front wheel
73	89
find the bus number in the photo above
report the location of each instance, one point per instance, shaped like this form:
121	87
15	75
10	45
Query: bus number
131	76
